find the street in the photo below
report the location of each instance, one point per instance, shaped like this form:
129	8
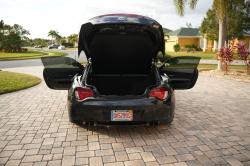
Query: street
37	62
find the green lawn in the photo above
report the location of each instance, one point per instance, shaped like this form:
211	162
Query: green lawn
203	55
10	81
28	55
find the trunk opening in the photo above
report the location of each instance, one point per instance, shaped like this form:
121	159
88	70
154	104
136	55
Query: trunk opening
108	84
121	61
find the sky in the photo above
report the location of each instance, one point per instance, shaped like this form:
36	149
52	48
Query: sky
66	16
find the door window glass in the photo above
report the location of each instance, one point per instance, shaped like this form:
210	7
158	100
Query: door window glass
58	62
184	62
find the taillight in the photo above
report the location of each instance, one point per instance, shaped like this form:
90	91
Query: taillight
160	93
82	93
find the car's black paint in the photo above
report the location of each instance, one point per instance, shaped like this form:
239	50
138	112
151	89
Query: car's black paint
125	61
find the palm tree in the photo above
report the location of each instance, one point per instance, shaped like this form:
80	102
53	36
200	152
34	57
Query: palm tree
166	33
53	34
221	7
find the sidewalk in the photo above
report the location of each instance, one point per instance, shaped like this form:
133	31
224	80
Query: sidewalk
214	61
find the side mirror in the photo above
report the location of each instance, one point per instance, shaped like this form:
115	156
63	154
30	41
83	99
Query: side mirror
167	63
74	64
77	64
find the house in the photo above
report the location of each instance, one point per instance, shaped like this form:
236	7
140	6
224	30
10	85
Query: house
189	36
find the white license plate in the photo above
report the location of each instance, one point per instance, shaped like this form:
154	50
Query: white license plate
121	115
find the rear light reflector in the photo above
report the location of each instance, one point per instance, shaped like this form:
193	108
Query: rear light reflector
82	93
160	93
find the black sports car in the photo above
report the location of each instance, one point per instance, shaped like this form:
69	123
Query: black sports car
121	84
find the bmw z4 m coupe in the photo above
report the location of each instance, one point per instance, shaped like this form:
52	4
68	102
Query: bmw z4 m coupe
121	83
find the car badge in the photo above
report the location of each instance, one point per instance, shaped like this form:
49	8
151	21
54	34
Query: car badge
98	20
121	18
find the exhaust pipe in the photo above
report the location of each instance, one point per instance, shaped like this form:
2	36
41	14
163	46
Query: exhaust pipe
89	123
151	123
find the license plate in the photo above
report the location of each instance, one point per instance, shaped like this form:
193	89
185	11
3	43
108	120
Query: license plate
121	115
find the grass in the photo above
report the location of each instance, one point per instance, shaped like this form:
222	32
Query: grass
203	55
10	82
29	55
71	48
214	66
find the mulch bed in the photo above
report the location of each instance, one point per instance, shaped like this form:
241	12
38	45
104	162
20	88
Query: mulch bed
240	75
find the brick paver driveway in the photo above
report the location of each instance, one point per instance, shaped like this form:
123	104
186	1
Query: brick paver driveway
212	127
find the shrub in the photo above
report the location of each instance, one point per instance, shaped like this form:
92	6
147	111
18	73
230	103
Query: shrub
226	56
194	47
243	55
160	57
176	47
187	48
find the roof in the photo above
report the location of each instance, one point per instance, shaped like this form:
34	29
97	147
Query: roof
246	33
195	32
166	29
186	32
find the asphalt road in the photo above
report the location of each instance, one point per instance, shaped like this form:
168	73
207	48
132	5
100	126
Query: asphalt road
37	62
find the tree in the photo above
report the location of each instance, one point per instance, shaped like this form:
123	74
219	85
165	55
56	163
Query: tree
234	29
71	37
246	18
1	31
12	36
188	25
62	41
43	43
221	7
210	25
58	37
73	40
166	33
53	34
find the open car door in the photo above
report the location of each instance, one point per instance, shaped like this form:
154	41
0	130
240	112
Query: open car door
59	71
182	71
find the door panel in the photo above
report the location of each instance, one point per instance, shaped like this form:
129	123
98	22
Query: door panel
183	72
58	72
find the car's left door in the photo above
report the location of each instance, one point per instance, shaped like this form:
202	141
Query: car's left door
59	71
182	71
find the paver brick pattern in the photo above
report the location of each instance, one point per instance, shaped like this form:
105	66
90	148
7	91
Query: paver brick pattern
211	127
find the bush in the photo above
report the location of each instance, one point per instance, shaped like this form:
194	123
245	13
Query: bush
176	47
243	54
188	47
160	57
194	46
226	56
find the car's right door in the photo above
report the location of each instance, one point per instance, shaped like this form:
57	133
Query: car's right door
183	72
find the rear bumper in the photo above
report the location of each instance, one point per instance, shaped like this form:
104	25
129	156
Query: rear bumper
145	110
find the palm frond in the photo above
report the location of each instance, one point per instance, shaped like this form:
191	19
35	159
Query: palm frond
180	6
192	4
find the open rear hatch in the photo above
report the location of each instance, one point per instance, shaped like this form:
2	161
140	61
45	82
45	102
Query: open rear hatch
121	54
